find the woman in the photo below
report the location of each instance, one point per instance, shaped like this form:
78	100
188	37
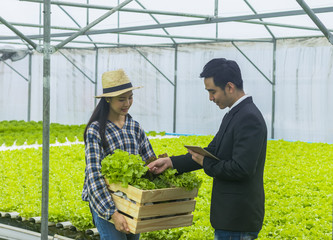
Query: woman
111	127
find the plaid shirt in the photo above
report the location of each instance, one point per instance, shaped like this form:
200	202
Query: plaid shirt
131	138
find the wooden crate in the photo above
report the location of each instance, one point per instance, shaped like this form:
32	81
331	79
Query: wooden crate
154	210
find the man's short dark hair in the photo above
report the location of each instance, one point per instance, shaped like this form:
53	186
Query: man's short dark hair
223	71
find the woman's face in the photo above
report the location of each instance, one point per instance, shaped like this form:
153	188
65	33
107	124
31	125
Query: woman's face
121	104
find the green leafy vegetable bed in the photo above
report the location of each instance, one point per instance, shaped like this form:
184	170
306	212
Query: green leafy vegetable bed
21	132
298	184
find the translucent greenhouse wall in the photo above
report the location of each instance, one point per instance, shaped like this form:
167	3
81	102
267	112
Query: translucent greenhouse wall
304	81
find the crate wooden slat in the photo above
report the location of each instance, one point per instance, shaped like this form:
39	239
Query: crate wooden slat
154	210
140	226
137	210
156	195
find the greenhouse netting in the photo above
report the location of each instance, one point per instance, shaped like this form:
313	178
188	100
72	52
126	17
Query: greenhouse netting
301	104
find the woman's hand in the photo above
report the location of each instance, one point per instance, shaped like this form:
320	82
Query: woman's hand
120	222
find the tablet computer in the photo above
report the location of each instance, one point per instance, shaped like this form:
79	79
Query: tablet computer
201	151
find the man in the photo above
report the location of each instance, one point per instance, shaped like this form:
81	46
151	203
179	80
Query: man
237	204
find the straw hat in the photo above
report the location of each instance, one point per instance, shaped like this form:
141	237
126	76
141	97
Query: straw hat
115	83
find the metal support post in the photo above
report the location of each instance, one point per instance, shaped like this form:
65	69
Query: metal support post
96	76
46	121
175	92
29	87
273	90
216	12
118	25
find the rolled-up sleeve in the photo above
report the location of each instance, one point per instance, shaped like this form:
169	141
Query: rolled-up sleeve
98	194
146	150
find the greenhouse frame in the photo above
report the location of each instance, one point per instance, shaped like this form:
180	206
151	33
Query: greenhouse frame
59	53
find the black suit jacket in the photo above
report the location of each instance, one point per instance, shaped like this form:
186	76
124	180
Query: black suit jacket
238	198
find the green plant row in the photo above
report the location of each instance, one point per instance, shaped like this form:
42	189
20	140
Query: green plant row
21	132
298	185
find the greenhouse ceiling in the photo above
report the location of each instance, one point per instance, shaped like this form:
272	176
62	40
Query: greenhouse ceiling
108	23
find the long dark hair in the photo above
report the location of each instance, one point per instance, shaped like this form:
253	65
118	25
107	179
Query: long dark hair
100	115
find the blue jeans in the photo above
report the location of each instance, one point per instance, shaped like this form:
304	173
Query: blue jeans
228	235
107	230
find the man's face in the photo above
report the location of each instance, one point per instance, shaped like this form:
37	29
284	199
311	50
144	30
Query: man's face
221	97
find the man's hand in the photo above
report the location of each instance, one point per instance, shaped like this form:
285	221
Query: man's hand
160	165
196	157
120	222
